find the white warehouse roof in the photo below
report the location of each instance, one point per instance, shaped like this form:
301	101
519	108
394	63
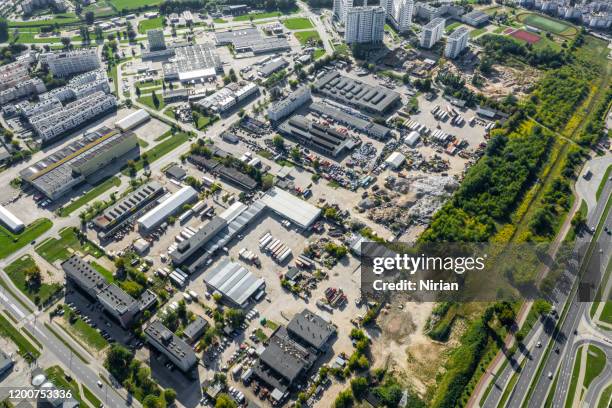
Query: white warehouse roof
132	120
289	206
395	159
167	207
413	138
234	282
9	219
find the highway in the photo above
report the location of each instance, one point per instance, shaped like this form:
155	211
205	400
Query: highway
546	333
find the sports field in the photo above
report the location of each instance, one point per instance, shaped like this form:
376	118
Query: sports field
547	24
523	35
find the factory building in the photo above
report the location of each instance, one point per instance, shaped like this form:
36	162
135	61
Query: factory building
431	33
67	63
290	104
228	97
251	40
299	212
170	345
170	206
350	118
70	166
316	136
456	42
364	25
193	62
272	67
10	221
133	120
237	286
362	96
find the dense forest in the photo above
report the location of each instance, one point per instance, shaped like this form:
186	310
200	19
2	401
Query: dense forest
499	48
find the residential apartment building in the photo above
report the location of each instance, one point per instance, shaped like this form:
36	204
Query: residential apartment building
456	42
340	8
399	13
28	87
28	6
14	73
431	33
169	344
63	64
287	106
156	40
364	25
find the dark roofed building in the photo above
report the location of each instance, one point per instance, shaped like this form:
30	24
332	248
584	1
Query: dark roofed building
195	329
176	172
83	275
311	329
166	342
189	246
236	177
317	136
146	300
118	304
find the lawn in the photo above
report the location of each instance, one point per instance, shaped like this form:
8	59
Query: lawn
103	271
163	148
604	399
120	5
606	313
547	24
477	32
10	242
148	101
298	23
452	27
257	16
85	332
91	397
17	272
571	395
318	53
150	24
28	36
58	378
305	36
57	249
202	121
219	21
26	349
596	361
60	19
89	196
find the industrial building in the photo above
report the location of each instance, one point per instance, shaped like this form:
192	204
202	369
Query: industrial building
272	67
395	160
115	301
66	63
351	92
195	329
156	40
79	161
299	212
132	120
251	40
364	25
292	351
456	42
316	136
234	283
228	97
170	345
476	18
350	118
10	221
170	206
193	244
193	62
127	208
290	104
431	33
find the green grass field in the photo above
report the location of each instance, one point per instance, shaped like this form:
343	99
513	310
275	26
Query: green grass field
452	27
297	23
219	21
604	400
148	101
60	19
17	272
89	196
103	271
163	148
306	36
606	313
477	32
546	24
596	361
10	242
257	16
318	53
57	375
54	249
85	332
124	5
89	396
26	349
150	24
574	379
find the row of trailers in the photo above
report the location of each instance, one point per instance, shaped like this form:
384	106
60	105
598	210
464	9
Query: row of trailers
277	249
177	277
443	114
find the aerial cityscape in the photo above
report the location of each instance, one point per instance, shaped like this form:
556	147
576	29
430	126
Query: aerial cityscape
305	203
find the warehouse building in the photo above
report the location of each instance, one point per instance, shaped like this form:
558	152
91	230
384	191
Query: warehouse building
124	209
251	40
476	18
316	136
193	62
351	119
311	330
132	120
170	206
195	329
10	221
66	63
74	164
170	345
234	283
296	210
395	160
272	67
189	246
290	104
228	97
351	92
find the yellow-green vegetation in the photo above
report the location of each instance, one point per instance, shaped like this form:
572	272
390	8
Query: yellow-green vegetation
305	37
89	396
595	363
219	21
27	276
150	101
606	397
103	271
159	150
89	196
150	24
125	5
58	377
60	19
25	348
318	53
84	331
54	249
476	32
258	16
10	242
571	393
606	313
297	23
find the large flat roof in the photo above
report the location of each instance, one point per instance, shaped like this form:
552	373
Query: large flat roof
117	299
129	203
10	220
167	207
234	282
291	207
197	240
171	343
311	329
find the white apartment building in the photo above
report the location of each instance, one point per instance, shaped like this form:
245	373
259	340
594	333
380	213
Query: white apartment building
63	64
431	33
288	105
399	13
14	73
456	42
364	25
29	87
28	6
340	8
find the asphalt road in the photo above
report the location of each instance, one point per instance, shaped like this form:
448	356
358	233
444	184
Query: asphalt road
544	329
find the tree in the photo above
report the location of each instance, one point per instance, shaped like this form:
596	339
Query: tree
138	92
542	307
33	277
295	153
99	33
153	401
359	386
235	317
279	142
89	17
344	399
66	42
118	360
4	30
224	401
155	100
169	396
